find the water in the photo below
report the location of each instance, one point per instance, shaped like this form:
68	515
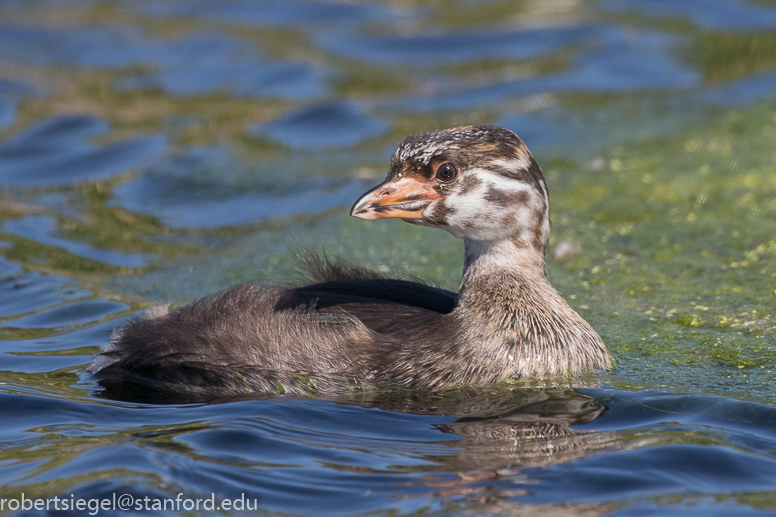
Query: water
153	152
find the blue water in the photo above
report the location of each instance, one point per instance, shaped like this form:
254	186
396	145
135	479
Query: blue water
155	151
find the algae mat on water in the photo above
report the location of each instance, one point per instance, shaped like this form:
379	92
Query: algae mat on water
677	254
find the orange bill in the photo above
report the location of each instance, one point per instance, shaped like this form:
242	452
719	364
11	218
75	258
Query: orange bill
405	198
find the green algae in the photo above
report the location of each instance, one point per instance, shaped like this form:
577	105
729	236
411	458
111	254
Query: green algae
240	379
306	382
677	252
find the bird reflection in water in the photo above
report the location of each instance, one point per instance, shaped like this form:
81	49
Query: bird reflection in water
503	432
499	434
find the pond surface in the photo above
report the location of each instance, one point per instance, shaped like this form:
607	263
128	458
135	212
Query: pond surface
156	151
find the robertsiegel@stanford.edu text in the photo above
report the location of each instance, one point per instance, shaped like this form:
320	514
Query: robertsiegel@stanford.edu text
127	502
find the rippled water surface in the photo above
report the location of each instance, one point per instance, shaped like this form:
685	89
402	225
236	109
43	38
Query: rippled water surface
155	151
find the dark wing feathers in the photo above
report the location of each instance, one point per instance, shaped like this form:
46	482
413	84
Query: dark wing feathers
373	291
257	337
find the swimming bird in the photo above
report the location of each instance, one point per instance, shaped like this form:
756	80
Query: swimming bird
353	327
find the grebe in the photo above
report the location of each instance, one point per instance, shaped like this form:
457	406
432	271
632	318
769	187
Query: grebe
354	327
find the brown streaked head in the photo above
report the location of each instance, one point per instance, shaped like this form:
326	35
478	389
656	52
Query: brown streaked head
476	182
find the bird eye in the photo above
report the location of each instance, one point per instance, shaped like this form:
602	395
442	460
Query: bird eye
447	172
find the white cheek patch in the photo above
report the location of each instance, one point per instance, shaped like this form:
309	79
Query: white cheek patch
475	217
523	162
499	182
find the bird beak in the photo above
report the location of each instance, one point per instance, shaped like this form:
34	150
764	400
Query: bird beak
405	198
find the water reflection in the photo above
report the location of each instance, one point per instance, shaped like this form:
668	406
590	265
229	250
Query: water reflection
56	152
510	428
185	66
435	50
504	434
319	127
43	230
475	453
27	292
269	13
493	427
617	61
724	15
208	187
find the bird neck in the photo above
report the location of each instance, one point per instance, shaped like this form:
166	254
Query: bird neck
496	257
515	322
504	284
512	314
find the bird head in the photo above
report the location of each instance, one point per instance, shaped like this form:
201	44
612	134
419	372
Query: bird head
479	183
